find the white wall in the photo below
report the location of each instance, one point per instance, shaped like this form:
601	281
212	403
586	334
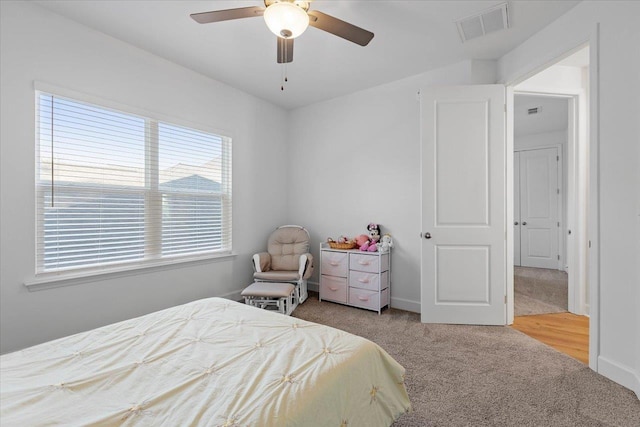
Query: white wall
554	79
542	139
619	164
356	159
39	45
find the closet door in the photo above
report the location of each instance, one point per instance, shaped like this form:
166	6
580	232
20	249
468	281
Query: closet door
516	209
539	208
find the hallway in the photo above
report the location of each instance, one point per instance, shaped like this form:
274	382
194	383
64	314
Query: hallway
539	291
541	312
566	332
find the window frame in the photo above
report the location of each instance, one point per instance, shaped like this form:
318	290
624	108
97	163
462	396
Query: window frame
153	195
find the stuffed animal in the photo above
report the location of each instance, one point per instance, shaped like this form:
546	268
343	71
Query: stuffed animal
374	232
361	240
386	243
369	246
371	242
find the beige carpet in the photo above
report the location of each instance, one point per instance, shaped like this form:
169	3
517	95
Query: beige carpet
483	376
539	291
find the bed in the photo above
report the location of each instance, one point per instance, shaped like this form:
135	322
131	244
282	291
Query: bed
211	362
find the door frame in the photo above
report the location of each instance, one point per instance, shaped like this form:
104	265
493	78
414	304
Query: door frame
592	270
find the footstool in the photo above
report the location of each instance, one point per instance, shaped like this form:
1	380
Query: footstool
271	296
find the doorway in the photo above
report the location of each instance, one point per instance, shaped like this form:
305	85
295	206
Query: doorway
540	201
550	199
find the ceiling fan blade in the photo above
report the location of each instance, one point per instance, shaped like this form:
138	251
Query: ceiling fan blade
285	50
339	28
227	14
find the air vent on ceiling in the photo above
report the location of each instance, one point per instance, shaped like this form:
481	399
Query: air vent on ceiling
534	110
485	22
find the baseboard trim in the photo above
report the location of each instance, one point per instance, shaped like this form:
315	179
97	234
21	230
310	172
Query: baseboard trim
620	374
405	304
233	295
313	286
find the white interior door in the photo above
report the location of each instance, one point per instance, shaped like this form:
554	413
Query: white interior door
516	209
463	205
539	208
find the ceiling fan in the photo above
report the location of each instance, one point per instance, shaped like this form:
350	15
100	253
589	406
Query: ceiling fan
287	19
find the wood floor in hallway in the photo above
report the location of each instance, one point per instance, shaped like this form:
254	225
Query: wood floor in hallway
566	332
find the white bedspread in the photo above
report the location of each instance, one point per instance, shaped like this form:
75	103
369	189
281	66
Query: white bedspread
211	362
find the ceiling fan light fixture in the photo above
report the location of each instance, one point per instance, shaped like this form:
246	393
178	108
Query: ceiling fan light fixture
286	19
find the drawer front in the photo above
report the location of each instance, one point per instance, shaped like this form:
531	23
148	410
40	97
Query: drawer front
363	262
371	281
335	263
333	288
368	299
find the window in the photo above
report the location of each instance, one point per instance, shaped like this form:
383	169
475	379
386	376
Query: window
115	188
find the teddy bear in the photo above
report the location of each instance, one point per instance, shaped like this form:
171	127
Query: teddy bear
386	243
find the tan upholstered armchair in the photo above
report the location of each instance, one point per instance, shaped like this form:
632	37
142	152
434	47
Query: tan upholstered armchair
287	259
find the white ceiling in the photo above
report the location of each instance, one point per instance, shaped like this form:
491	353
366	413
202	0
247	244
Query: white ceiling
552	117
411	37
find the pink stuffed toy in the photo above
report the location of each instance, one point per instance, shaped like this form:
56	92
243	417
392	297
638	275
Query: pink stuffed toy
369	243
362	240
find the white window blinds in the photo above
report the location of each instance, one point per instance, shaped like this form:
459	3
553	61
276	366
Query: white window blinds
116	188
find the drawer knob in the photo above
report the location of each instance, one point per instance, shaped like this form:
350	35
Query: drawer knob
333	289
364	262
365	280
361	298
334	263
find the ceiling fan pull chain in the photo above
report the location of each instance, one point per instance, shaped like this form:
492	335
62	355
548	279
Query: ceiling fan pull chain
284	69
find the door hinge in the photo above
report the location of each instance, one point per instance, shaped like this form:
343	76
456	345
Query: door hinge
557	191
589	243
558	257
558	223
505	108
505	299
557	158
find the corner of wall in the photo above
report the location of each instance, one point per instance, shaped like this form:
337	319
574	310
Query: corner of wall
484	71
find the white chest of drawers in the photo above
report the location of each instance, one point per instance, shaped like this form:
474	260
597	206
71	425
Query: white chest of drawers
360	279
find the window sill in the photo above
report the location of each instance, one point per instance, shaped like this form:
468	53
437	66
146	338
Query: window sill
56	280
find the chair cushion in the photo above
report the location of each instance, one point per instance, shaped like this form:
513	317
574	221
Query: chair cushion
285	246
277	276
268	289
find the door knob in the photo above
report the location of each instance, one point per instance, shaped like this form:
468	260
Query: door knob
427	235
515	223
524	222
